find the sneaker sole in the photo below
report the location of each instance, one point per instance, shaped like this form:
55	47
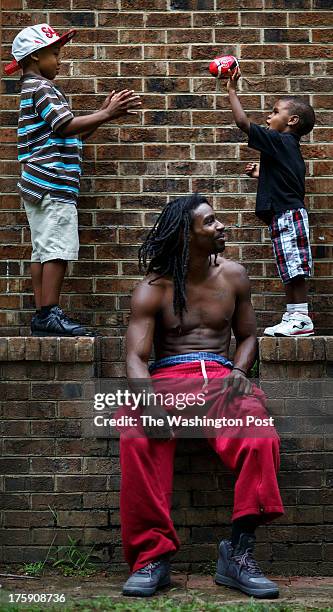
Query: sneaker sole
146	592
53	335
258	593
300	333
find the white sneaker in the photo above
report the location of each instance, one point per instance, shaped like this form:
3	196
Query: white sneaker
298	325
270	331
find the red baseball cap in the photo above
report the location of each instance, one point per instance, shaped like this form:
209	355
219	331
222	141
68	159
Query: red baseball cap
33	38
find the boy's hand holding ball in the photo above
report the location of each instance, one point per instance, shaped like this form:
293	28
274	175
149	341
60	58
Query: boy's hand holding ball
233	78
226	67
222	66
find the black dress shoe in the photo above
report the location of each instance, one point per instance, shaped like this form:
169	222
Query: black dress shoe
56	323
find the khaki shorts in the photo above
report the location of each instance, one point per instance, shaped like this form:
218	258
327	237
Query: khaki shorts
54	230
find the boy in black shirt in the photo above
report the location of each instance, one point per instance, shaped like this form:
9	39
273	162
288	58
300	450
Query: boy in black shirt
280	198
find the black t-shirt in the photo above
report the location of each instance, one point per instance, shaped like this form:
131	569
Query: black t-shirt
281	183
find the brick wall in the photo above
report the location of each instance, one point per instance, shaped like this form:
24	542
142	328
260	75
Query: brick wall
56	482
184	140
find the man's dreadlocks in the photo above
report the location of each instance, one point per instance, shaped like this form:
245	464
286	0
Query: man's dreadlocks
167	246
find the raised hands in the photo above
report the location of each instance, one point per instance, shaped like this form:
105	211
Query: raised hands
124	102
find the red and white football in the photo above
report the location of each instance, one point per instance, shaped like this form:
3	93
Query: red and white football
220	66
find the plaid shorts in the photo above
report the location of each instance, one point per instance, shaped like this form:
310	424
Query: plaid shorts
291	243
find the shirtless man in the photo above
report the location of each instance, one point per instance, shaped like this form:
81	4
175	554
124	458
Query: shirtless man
186	307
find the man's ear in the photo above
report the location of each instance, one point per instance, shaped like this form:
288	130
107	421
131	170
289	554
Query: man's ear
34	57
293	120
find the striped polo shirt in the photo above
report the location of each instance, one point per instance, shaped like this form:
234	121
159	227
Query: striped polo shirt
50	163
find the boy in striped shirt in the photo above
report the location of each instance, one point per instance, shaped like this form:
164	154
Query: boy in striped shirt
50	151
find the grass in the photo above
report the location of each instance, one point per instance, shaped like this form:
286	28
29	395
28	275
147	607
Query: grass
34	569
70	561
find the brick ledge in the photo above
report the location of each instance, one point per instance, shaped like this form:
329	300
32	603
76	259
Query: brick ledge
66	350
82	350
312	348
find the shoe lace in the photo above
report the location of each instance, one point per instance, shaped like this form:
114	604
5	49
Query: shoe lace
147	569
64	317
248	561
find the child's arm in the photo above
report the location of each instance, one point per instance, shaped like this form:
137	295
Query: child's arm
115	105
240	116
252	169
105	104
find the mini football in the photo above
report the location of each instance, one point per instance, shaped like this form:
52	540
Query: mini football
220	66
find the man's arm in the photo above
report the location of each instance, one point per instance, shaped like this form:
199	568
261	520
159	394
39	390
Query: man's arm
244	328
145	304
240	116
244	324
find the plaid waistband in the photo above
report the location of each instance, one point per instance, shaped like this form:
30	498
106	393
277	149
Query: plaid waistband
190	357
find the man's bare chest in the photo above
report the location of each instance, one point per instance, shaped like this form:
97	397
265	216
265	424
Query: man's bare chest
208	307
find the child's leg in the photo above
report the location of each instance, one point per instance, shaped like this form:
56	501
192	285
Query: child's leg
297	295
291	245
52	280
36	271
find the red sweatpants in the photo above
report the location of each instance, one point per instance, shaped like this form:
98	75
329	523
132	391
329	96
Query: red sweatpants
147	476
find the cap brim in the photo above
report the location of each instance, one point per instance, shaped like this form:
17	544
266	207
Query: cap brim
63	39
12	67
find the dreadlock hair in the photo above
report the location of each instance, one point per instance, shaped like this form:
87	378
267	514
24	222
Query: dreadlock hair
167	246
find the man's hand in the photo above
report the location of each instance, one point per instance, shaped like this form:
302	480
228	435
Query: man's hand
237	383
157	431
252	169
121	103
234	75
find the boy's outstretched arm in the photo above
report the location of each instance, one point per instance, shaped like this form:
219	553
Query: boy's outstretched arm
115	105
240	116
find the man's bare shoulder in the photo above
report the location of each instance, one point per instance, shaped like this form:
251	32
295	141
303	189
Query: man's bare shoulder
232	268
149	293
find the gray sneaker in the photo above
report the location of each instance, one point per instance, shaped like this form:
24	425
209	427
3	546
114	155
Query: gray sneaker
237	568
148	579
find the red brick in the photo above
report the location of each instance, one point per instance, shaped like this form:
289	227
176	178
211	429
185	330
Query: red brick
215	151
28	519
166	151
168	20
72	518
287	68
311	51
99	5
168	117
236	5
287	4
263	20
165	52
142	36
322	36
16	349
120	20
310	19
80	483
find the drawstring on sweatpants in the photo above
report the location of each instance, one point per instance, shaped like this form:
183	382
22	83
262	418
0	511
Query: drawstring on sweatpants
204	374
